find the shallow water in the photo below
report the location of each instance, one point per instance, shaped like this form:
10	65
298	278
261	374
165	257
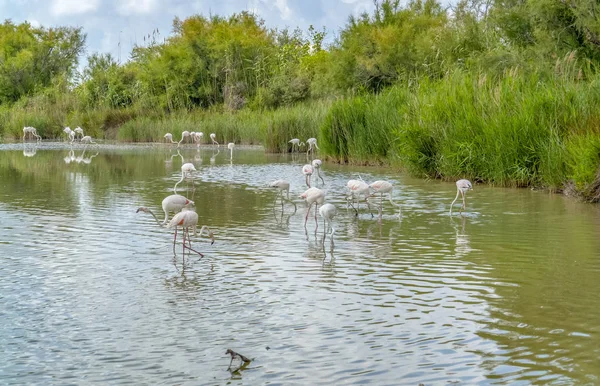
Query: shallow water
91	291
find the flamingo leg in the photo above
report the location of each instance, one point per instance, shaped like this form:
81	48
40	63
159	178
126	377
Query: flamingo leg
316	221
174	239
455	198
464	205
307	213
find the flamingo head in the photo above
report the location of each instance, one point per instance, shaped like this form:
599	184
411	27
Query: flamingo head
212	238
142	209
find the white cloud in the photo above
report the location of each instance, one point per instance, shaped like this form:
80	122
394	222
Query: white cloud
73	7
128	7
284	10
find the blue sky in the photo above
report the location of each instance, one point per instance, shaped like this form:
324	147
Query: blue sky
108	22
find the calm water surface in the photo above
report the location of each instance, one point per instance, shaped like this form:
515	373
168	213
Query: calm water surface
92	293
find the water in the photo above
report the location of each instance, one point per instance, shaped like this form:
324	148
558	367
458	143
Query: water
91	291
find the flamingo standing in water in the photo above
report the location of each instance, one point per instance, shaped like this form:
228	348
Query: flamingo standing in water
212	137
70	133
316	164
328	212
313	196
169	137
184	135
311	142
381	188
186	171
78	131
173	203
307	170
230	146
356	188
296	144
282	186
198	136
87	139
188	218
32	132
462	187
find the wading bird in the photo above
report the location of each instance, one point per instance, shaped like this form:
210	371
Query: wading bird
313	196
312	144
381	188
87	139
187	219
230	146
462	187
32	133
328	212
184	135
70	133
169	138
358	188
235	355
296	144
173	203
282	186
78	131
198	136
307	170
186	172
212	137
316	164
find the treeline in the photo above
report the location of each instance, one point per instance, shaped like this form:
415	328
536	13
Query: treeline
502	91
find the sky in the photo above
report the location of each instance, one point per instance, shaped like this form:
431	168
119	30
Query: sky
110	22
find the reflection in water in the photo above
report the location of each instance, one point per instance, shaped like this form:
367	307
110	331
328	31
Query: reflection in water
90	288
29	149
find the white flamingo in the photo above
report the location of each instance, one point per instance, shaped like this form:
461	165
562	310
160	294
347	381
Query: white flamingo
312	142
87	139
296	144
32	132
381	188
184	135
187	219
358	188
70	133
462	187
313	196
282	186
316	164
328	212
78	131
212	137
173	203
198	136
230	146
169	137
186	172
307	170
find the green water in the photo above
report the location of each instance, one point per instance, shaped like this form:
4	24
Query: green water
92	292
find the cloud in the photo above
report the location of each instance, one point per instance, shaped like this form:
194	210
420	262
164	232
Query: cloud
73	7
128	7
284	10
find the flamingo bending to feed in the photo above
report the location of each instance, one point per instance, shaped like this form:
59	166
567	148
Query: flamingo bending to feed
356	188
313	196
87	139
70	133
230	146
188	218
173	203
316	164
78	131
311	142
282	186
307	170
462	187
186	172
381	188
32	132
184	135
169	137
197	137
212	137
296	144
328	212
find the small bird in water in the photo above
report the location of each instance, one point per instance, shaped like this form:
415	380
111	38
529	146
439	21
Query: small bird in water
235	355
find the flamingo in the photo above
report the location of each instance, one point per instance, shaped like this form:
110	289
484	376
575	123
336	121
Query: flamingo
212	137
169	137
384	187
282	186
311	142
235	355
78	130
328	212
173	203
32	131
198	137
186	171
87	139
313	196
462	187
70	133
188	218
230	146
316	164
296	144
307	170
184	134
357	188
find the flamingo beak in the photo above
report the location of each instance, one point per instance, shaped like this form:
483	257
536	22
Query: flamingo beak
140	209
212	237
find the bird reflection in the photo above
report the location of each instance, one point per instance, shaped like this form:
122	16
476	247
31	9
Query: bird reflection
70	157
463	244
214	156
30	149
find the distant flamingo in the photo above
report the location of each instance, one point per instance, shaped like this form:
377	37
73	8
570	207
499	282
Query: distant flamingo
311	142
296	144
188	218
198	136
313	196
381	188
78	131
169	137
212	137
87	139
70	133
186	172
316	164
356	188
230	146
173	203
282	186
32	132
328	212
184	135
462	187
307	170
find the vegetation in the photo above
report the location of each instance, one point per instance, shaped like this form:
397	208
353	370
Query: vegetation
502	91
